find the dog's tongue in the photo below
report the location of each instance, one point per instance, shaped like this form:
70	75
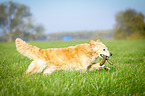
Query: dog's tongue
107	58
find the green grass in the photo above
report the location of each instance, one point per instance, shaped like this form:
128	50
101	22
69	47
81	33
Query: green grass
126	77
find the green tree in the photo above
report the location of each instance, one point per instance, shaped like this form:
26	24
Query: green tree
15	21
130	25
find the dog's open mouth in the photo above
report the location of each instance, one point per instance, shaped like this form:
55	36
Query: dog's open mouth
104	59
101	55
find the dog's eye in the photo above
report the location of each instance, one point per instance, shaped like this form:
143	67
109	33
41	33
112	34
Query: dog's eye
103	49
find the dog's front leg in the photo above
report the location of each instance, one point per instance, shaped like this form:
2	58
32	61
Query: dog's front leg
94	66
106	68
97	66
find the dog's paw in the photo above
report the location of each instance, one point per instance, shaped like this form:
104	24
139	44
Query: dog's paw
107	68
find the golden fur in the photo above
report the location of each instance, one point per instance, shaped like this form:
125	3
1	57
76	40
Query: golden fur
48	60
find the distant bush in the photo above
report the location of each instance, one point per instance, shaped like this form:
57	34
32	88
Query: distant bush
130	25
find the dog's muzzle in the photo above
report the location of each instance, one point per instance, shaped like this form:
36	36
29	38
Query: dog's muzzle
109	54
101	55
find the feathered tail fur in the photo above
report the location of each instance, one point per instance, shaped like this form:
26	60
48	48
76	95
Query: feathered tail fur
26	49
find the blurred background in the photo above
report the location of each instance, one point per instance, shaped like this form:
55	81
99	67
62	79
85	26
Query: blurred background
65	20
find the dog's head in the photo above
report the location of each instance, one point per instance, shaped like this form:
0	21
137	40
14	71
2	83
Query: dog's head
100	48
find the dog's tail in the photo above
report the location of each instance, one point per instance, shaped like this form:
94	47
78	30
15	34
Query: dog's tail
27	50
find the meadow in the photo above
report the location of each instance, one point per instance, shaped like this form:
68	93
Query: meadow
126	77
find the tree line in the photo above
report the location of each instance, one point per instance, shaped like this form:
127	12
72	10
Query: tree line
16	21
82	35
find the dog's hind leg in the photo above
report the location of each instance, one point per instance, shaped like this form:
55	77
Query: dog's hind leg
48	71
32	67
36	66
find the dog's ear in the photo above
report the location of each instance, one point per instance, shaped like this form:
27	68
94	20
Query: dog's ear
98	41
92	43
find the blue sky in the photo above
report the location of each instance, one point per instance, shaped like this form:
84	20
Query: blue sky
78	15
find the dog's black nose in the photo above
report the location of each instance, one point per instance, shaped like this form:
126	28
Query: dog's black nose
110	54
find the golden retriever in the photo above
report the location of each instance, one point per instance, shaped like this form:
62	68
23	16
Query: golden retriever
77	57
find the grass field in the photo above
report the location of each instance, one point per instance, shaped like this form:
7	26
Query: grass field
126	77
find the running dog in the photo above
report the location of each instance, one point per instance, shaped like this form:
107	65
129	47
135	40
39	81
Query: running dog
77	57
